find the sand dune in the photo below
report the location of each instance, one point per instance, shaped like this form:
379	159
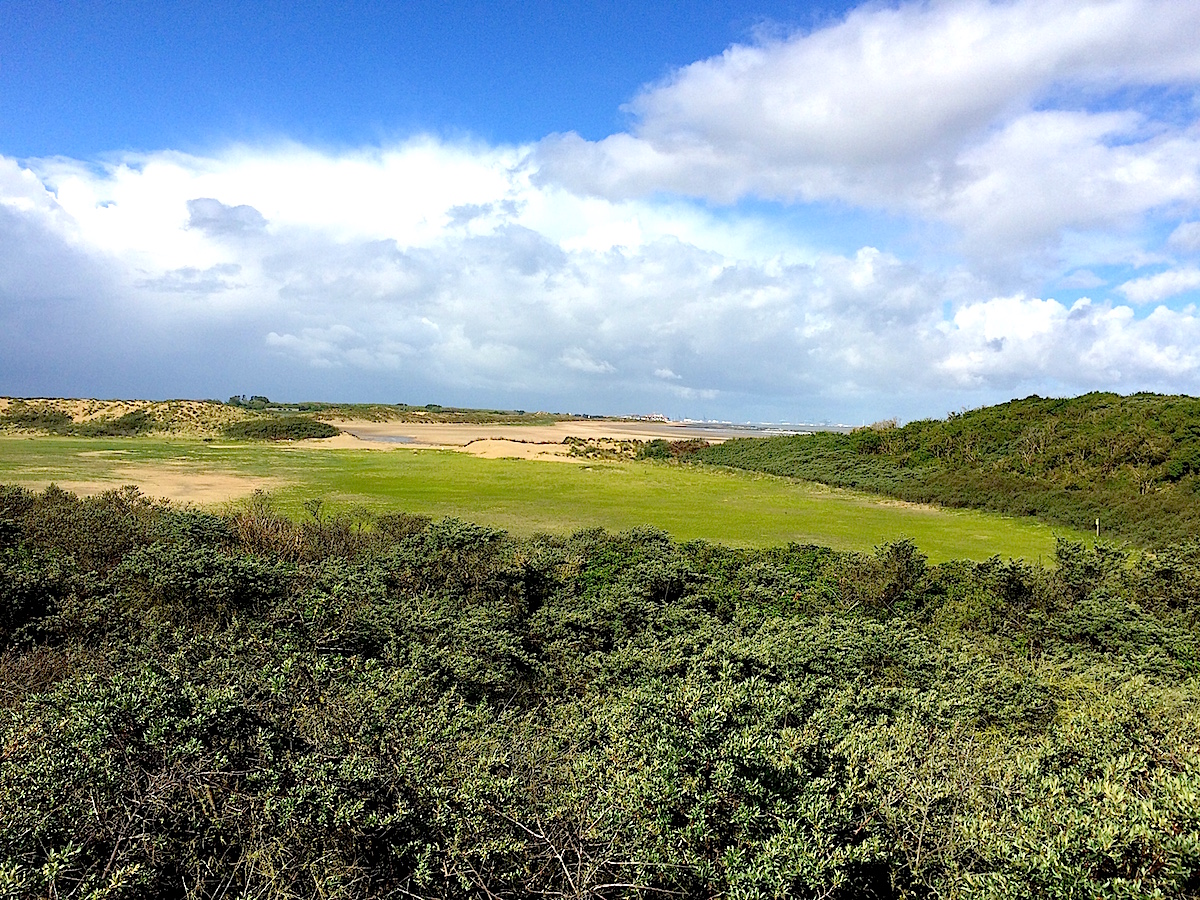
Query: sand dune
505	441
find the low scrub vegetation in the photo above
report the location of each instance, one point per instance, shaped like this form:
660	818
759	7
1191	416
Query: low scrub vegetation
667	450
48	419
211	705
284	428
1131	462
117	418
400	412
210	418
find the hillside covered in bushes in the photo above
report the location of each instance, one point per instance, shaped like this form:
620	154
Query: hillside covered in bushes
212	705
1132	462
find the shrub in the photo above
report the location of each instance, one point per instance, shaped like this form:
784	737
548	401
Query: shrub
284	428
661	449
128	425
36	418
203	705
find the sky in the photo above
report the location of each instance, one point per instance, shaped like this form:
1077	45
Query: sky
775	211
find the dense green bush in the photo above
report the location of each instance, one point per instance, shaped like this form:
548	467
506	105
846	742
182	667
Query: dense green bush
661	449
199	705
128	425
1131	462
36	418
284	428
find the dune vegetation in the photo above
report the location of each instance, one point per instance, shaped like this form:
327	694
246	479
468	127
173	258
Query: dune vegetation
239	417
425	674
1132	462
205	705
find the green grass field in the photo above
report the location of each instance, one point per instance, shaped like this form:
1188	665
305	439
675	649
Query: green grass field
525	496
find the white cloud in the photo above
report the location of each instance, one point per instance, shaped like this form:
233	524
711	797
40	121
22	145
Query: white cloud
502	293
1018	340
1154	288
971	113
576	273
581	361
895	83
1049	171
1186	237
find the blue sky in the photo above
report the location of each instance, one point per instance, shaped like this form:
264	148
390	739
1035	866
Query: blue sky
771	211
85	79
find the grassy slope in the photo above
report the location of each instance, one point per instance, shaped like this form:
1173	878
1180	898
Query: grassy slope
1133	462
526	496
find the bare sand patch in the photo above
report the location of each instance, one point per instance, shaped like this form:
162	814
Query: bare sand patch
458	435
90	410
547	442
171	482
343	441
524	447
493	448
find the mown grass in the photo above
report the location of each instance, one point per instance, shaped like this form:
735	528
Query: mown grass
523	496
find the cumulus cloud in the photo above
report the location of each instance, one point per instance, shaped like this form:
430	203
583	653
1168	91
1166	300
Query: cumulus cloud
977	114
626	274
519	291
1050	171
1153	288
1007	340
581	361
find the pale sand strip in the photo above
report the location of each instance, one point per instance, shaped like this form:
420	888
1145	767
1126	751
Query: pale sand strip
169	483
544	442
460	435
491	448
